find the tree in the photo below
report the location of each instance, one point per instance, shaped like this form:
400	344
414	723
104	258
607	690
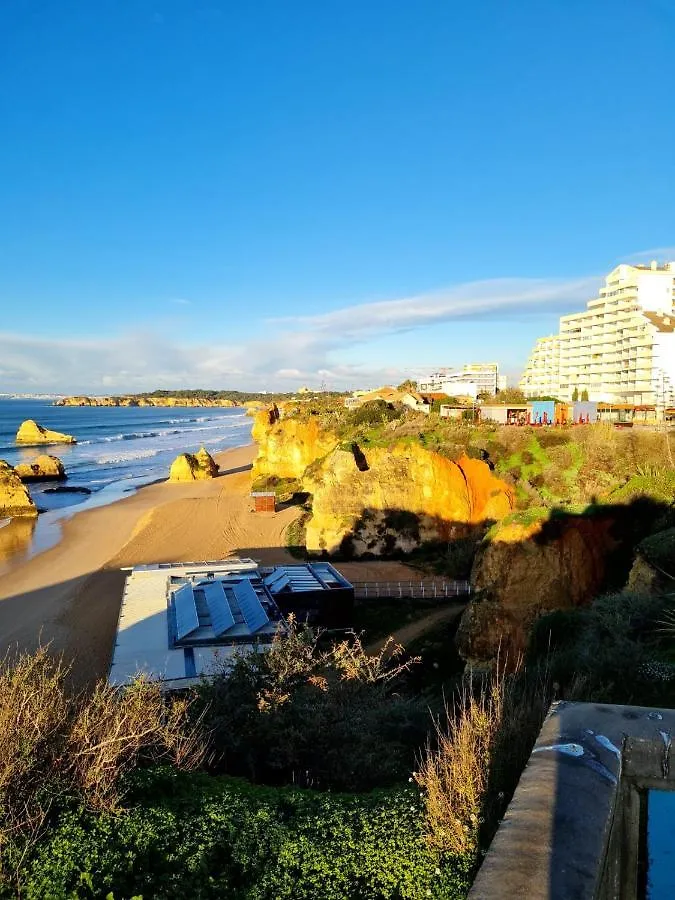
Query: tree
407	385
584	395
575	395
485	395
511	395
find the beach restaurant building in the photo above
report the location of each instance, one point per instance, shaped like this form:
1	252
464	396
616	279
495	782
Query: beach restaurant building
181	622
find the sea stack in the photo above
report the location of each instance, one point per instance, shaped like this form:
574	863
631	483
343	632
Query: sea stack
15	499
42	468
31	433
193	467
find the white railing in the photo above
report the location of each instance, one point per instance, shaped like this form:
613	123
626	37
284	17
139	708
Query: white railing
430	589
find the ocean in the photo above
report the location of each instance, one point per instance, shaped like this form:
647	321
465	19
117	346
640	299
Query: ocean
118	450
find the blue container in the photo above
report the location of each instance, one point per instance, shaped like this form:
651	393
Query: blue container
542	412
584	411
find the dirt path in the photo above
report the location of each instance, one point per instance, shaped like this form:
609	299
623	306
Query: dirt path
413	630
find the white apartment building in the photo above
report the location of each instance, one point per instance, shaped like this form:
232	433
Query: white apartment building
541	377
471	380
621	349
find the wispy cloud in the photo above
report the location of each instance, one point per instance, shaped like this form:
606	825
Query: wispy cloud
181	301
297	350
474	300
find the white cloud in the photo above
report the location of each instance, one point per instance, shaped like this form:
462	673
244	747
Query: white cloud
298	350
181	301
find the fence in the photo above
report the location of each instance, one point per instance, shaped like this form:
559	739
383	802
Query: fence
411	589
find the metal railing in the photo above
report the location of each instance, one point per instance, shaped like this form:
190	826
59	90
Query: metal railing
411	589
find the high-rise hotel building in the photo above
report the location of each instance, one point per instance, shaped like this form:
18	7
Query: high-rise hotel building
620	350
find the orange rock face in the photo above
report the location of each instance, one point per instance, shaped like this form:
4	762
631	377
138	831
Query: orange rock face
522	571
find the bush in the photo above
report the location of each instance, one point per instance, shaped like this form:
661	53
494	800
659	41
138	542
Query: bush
206	837
377	412
54	744
334	718
469	775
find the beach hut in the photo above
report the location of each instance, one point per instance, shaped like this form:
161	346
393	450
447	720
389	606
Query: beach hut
584	412
264	501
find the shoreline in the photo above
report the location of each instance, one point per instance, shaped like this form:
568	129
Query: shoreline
69	595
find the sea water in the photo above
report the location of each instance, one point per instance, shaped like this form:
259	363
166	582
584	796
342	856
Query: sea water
118	449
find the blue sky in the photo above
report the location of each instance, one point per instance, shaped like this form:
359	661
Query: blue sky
268	193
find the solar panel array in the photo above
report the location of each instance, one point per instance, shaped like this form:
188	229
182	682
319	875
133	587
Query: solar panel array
219	609
298	578
185	608
250	605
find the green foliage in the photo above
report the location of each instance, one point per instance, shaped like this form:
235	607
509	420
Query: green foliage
584	396
377	412
335	718
659	549
511	395
284	488
575	395
603	648
407	385
207	837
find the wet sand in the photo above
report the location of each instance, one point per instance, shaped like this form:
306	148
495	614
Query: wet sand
69	596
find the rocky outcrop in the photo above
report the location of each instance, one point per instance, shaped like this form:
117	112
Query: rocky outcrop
381	500
193	467
140	400
653	570
31	433
286	447
524	569
15	499
42	468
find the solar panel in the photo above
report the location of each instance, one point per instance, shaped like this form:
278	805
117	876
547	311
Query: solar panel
279	583
185	608
250	605
273	577
219	609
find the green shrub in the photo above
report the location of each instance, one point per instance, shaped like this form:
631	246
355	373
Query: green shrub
207	837
659	549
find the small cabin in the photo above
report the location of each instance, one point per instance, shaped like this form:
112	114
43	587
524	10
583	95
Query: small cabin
264	501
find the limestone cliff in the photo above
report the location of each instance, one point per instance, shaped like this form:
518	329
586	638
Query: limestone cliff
31	433
147	401
193	467
525	569
42	468
15	499
380	499
286	447
653	570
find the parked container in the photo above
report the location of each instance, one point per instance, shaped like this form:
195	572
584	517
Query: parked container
584	412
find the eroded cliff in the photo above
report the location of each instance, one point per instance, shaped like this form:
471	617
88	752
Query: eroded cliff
524	569
286	447
377	499
15	499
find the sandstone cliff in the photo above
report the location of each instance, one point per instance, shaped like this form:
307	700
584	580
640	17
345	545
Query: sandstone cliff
653	570
15	499
42	468
524	570
286	447
380	500
146	401
31	433
193	467
376	500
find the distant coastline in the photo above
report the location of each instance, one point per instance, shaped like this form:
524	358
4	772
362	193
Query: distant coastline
140	400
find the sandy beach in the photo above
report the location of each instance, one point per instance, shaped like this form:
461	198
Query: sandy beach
69	596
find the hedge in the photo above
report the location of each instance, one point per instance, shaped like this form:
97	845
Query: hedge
201	836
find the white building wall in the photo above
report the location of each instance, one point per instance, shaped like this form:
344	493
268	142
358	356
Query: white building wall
614	349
